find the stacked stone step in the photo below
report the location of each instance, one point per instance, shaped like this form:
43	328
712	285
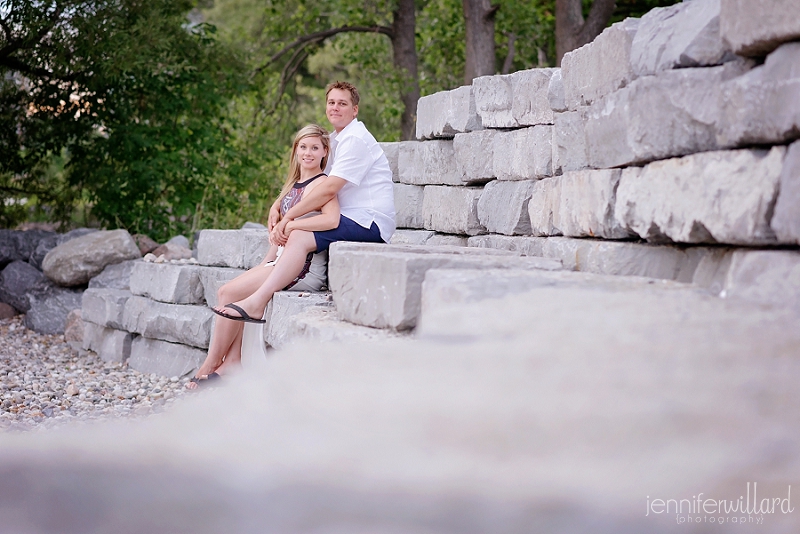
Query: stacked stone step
666	148
161	322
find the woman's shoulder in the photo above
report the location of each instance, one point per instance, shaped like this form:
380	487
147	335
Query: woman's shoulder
311	183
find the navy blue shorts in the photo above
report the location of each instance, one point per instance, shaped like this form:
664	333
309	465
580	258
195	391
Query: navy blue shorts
347	230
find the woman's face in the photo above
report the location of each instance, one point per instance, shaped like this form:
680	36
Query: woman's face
310	152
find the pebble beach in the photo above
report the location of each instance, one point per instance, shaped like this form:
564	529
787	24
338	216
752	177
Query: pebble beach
44	383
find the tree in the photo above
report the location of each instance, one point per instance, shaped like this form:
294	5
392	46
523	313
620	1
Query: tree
129	93
573	30
480	45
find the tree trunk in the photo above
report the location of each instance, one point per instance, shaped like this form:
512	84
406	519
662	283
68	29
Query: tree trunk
479	18
405	59
572	31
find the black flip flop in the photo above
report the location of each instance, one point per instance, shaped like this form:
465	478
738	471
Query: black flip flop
209	380
244	316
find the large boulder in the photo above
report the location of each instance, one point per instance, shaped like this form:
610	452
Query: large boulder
51	241
75	262
19	245
16	280
50	306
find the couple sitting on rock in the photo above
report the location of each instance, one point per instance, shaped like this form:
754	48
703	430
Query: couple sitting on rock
339	188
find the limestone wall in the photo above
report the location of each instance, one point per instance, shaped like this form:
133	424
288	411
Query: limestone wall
665	148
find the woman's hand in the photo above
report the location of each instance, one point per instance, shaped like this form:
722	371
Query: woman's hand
274	217
279	234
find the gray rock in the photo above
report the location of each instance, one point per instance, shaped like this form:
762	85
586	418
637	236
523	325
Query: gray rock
232	248
250	225
212	278
761	106
16	279
167	282
444	240
428	162
426	237
769	277
172	251
7	311
555	92
145	243
109	344
357	277
523	154
188	325
181	241
278	330
786	221
115	276
524	245
577	204
473	156
105	306
73	329
408	205
451	210
503	207
50	306
712	197
757	27
162	358
671	114
494	99
569	142
530	91
682	35
392	152
18	245
712	270
447	113
601	67
76	261
50	242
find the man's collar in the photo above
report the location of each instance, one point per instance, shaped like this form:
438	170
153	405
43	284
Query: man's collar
346	129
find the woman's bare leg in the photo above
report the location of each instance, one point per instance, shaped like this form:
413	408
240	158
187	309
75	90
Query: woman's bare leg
233	358
226	331
298	246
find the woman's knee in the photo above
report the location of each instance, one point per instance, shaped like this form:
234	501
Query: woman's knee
302	239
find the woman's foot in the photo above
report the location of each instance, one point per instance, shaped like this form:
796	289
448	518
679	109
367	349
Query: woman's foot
240	311
203	381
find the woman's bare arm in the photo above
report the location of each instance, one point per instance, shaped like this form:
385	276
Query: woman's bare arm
327	220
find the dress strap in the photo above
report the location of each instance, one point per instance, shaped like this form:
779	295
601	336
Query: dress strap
298	185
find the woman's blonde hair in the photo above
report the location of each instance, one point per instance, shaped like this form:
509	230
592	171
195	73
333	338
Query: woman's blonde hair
312	130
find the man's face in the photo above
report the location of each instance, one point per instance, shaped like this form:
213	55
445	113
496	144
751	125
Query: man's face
340	109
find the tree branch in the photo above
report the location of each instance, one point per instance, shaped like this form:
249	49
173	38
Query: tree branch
325	34
599	15
509	62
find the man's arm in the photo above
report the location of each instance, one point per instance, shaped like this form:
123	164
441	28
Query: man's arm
316	198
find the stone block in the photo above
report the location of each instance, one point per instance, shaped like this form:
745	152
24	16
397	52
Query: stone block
392	152
167	282
50	305
105	307
671	114
577	204
712	270
757	27
153	356
713	197
452	210
212	278
408	205
232	248
770	277
513	100
427	237
109	344
503	207
524	154
358	275
188	325
16	280
786	221
76	261
283	307
600	67
473	156
447	113
444	240
116	276
524	245
555	92
762	106
679	36
428	162
569	142
530	91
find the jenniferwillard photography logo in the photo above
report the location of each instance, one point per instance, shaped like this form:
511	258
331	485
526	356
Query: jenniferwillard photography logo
746	509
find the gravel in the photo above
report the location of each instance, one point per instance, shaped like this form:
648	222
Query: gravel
45	383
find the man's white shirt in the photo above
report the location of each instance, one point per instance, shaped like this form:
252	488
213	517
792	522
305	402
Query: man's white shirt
368	195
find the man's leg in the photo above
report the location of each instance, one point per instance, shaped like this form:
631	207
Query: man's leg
297	248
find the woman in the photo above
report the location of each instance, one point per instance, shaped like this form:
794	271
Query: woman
308	159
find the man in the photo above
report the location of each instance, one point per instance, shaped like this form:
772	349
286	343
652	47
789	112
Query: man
359	173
